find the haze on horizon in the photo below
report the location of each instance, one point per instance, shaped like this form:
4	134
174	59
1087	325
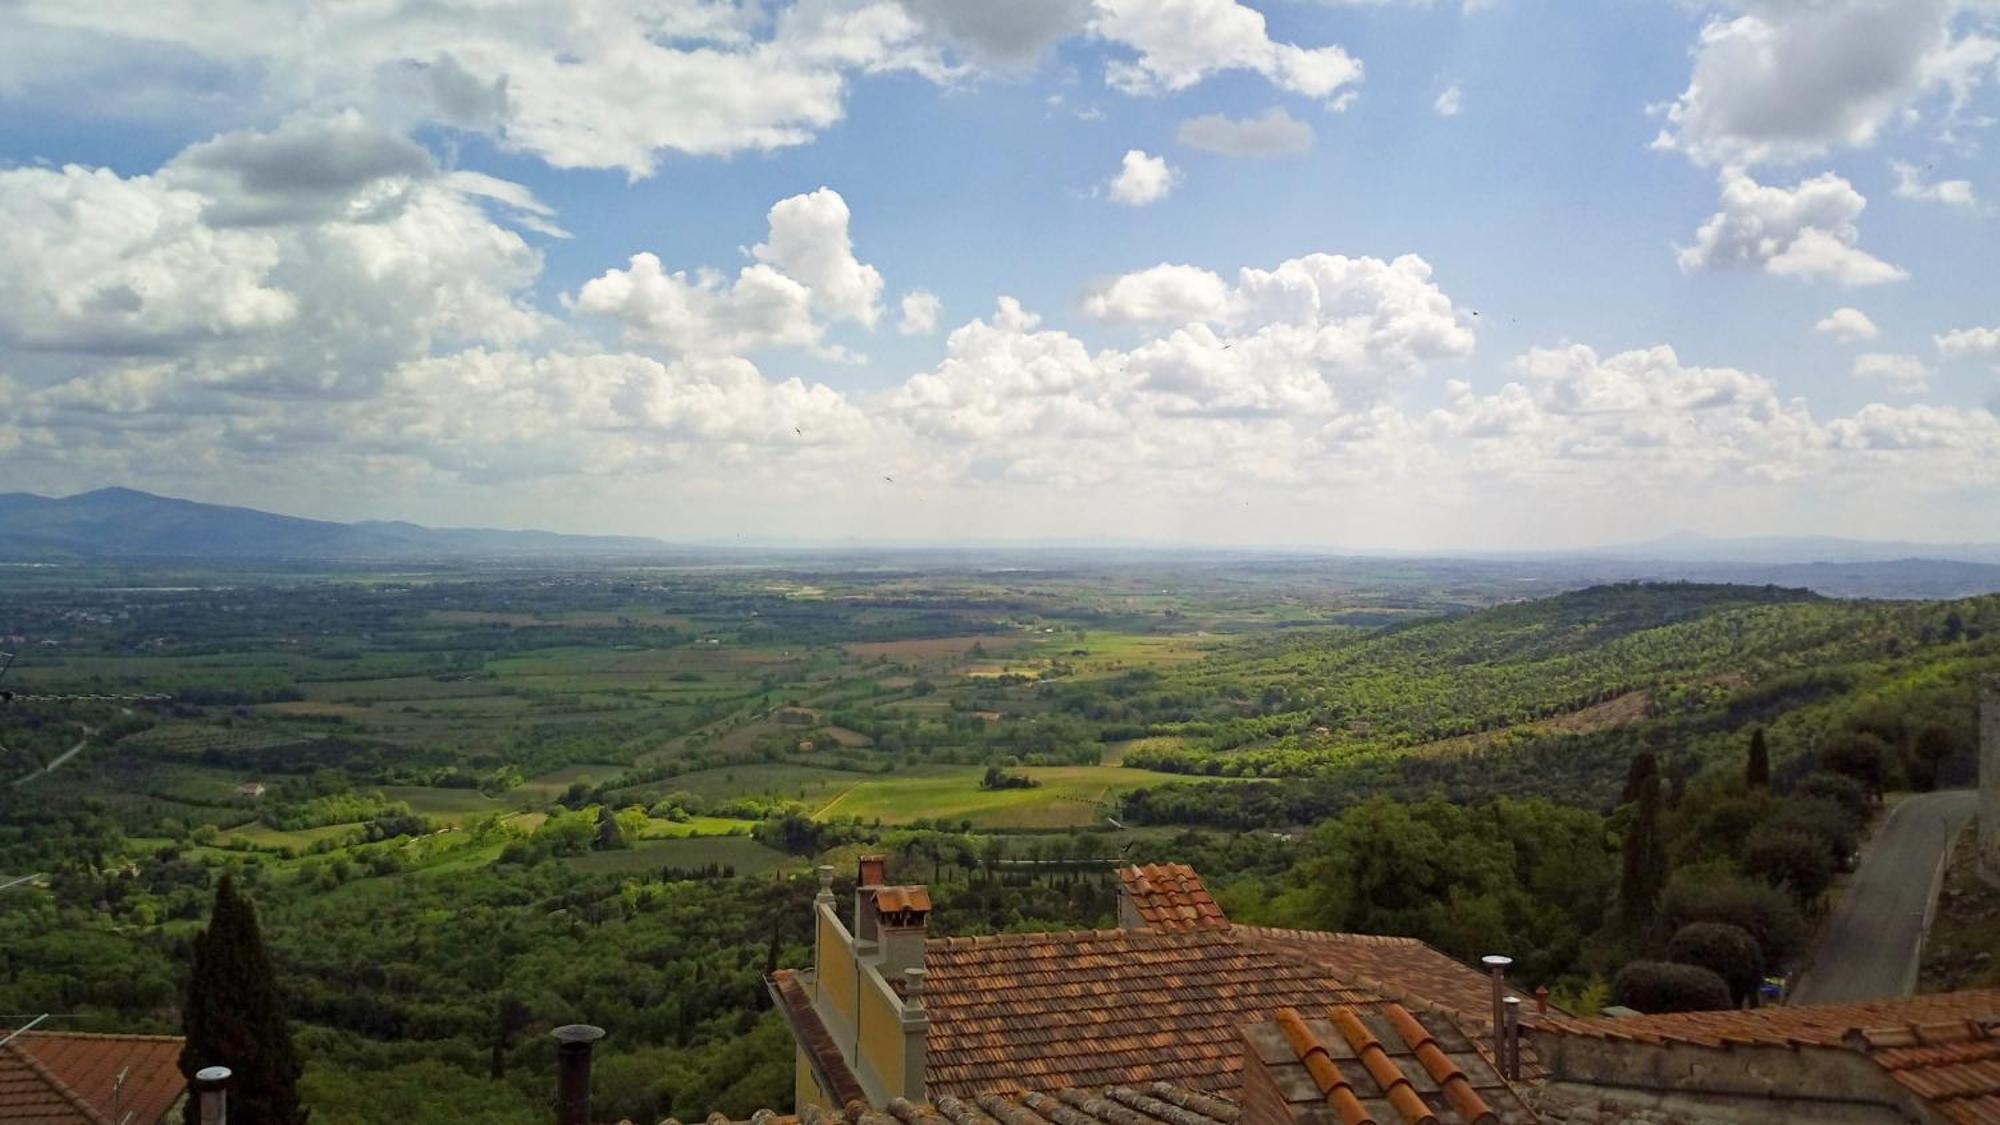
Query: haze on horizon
1405	274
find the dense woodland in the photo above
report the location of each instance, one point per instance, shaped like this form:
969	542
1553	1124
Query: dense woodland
470	807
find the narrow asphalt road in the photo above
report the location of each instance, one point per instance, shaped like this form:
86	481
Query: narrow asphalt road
59	760
1872	942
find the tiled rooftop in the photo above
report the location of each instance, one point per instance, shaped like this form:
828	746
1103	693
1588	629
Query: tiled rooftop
1380	1063
1097	1008
1153	1103
1944	1048
795	1004
1170	897
1413	972
68	1078
1955	1067
1822	1025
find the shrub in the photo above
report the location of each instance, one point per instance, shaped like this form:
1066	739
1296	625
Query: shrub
1709	893
1662	986
1787	858
1725	950
1838	788
1823	819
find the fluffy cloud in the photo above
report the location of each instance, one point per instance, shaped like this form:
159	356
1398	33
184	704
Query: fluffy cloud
1449	101
1903	374
1962	342
1006	35
1142	179
1808	231
804	276
1165	293
618	85
1910	185
1780	80
1271	133
100	263
920	309
1847	325
308	170
1181	42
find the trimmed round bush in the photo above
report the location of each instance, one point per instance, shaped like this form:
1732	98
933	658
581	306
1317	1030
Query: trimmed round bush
1662	986
1725	950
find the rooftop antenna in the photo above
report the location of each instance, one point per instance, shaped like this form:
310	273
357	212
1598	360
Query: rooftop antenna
118	1092
23	1029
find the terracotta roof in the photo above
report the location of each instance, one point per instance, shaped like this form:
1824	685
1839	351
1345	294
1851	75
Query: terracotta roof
795	1004
1154	1103
891	899
1944	1047
1413	972
1170	897
67	1078
1374	1064
1097	1008
1822	1025
1953	1066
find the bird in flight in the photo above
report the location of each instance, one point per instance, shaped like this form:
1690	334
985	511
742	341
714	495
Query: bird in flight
891	480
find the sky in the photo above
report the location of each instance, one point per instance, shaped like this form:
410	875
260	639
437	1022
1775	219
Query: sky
1475	274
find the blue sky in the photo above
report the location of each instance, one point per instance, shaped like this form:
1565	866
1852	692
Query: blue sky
382	265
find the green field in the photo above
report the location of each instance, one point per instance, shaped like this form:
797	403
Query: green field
1066	796
747	856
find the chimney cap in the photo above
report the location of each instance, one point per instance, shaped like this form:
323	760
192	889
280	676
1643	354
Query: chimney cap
212	1074
1496	961
1512	1001
577	1033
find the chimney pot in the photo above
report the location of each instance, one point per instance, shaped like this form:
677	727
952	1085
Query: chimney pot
913	988
211	1083
573	1043
1541	999
873	870
1497	966
1511	1063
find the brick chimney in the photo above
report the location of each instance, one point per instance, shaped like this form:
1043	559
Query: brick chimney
867	880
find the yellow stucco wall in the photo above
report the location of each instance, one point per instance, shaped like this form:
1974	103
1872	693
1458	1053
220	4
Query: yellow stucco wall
869	1013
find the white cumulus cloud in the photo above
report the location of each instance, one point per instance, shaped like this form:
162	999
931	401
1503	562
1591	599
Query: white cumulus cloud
920	309
1449	101
805	276
1962	342
1784	80
1847	325
1807	231
1910	184
1142	179
1903	374
1181	42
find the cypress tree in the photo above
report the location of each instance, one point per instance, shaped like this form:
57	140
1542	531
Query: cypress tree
1758	770
1641	774
235	1017
1642	859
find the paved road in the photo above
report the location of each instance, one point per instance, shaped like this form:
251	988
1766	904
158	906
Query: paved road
1871	944
59	759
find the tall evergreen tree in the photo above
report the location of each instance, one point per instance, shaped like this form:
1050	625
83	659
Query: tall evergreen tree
1642	773
235	1017
1642	859
1758	770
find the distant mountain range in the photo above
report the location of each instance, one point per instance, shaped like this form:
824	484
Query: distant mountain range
1691	547
115	523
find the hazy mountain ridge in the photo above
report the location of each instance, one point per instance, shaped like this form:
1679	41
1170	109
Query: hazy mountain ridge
127	523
